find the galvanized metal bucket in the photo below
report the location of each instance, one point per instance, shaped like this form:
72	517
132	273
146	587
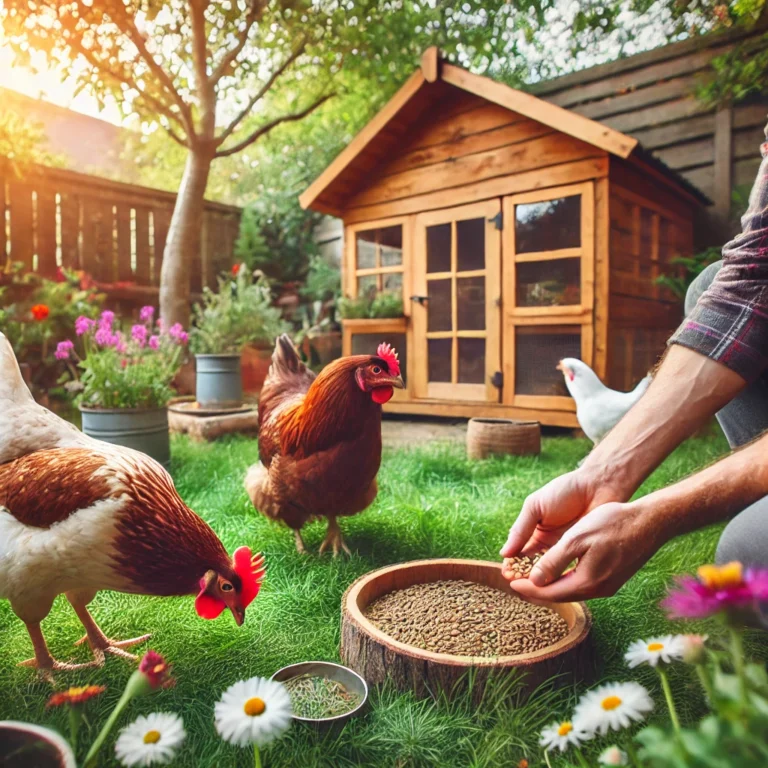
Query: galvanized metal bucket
219	382
143	429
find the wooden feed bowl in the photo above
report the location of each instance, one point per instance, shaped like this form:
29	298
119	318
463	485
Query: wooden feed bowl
502	437
377	656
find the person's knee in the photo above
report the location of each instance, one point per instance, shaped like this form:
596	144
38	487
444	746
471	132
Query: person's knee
745	538
700	284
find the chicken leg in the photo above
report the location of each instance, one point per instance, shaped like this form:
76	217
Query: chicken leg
300	547
100	644
334	539
43	661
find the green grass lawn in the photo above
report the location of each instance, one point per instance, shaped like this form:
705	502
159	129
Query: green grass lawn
433	502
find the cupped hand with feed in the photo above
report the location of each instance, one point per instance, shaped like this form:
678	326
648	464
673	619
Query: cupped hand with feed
611	543
549	512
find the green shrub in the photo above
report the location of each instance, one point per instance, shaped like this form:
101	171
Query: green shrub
378	305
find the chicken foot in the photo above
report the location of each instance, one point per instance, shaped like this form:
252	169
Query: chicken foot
334	539
101	644
43	662
300	546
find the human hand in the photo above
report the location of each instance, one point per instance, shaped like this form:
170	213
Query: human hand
611	543
549	512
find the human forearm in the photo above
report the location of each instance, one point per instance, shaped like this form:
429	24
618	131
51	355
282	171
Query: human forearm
686	392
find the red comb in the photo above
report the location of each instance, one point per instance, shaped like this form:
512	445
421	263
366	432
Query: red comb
251	571
389	356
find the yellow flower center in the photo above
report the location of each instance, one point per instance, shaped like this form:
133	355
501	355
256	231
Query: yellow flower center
610	703
254	707
655	647
77	691
151	737
564	729
721	576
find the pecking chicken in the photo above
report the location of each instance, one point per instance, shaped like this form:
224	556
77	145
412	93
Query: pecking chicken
320	438
78	515
598	409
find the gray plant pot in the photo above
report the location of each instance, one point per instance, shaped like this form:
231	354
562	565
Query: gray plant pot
219	382
144	429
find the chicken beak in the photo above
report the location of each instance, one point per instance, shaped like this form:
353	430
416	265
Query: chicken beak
397	382
238	614
560	367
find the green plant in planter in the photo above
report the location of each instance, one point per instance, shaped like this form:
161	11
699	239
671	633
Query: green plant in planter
241	312
386	304
123	371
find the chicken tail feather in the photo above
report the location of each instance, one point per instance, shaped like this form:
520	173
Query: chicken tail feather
285	359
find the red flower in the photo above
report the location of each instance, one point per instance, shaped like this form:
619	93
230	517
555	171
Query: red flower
40	311
75	695
60	276
235	269
155	668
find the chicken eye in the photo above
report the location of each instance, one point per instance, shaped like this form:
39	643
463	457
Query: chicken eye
226	587
376	370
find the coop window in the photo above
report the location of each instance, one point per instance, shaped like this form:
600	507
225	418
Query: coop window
549	225
556	282
538	349
379	260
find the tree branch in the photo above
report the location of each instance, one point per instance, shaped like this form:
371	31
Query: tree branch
175	136
267	127
254	14
229	130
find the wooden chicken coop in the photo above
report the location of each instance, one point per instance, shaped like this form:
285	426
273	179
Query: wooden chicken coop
518	232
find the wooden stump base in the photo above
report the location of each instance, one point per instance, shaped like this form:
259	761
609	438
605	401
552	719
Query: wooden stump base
202	428
378	657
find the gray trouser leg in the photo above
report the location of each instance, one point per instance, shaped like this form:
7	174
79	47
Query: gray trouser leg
746	416
745	538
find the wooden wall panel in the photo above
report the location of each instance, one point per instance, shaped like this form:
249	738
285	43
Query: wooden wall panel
22	223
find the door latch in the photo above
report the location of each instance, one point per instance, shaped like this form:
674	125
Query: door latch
498	380
498	220
420	299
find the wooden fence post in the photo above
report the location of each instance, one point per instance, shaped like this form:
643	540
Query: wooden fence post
723	163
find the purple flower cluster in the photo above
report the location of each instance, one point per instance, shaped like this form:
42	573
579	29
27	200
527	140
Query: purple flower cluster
146	314
178	334
83	325
64	349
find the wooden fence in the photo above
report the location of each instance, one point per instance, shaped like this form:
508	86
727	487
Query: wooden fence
115	232
652	96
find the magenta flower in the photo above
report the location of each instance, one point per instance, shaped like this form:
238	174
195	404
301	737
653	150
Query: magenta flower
154	342
146	314
63	348
178	334
139	334
105	338
715	589
83	325
106	319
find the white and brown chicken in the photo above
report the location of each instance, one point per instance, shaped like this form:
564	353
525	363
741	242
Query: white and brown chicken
78	515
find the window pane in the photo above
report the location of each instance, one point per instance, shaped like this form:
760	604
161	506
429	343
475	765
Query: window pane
470	244
548	283
471	361
391	237
367	344
538	349
393	282
366	250
439	248
439	352
470	299
367	284
439	305
549	225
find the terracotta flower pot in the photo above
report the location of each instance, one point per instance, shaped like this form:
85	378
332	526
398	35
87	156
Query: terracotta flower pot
322	348
23	745
255	363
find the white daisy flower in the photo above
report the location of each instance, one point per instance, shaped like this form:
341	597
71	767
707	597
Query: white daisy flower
613	756
562	735
612	707
254	711
150	740
668	648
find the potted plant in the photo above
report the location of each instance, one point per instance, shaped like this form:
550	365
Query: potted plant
23	745
319	338
125	382
372	306
239	316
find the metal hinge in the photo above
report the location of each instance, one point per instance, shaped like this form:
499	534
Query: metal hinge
498	380
498	220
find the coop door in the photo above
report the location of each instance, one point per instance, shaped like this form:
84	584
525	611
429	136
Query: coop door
456	303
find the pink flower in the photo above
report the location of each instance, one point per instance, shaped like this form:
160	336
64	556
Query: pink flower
715	589
105	338
178	334
146	314
139	334
156	669
63	348
154	342
83	325
107	318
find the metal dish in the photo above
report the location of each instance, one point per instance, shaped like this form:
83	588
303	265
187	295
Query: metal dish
193	408
348	678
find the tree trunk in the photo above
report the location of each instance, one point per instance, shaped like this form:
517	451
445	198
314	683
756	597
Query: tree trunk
183	243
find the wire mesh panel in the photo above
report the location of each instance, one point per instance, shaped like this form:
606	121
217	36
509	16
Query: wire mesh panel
538	349
367	344
633	354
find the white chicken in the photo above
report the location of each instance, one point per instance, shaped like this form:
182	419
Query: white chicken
598	408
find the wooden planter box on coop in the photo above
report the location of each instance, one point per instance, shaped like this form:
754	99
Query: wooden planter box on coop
519	233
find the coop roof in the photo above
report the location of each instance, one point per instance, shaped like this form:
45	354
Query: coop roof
434	79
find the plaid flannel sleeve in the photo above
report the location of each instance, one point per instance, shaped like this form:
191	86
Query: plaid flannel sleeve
730	320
